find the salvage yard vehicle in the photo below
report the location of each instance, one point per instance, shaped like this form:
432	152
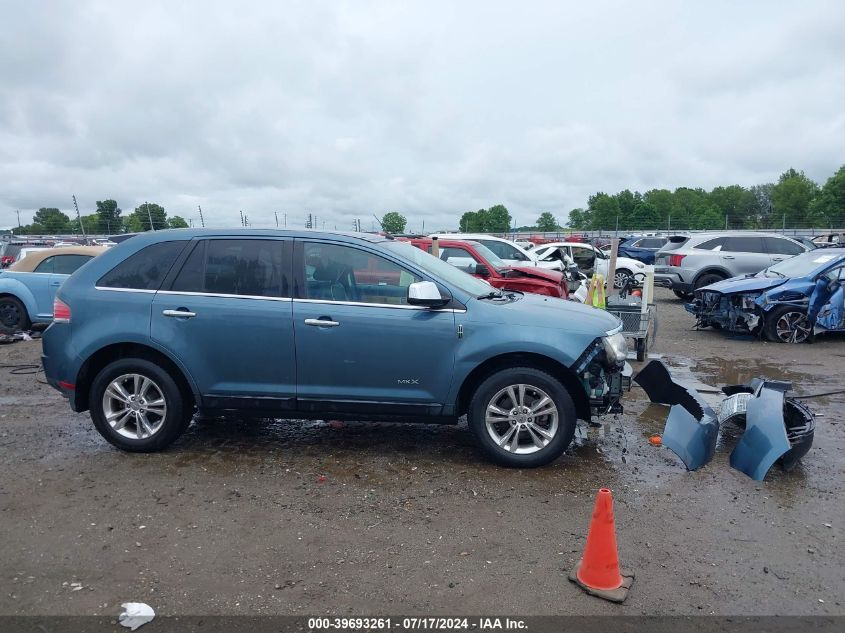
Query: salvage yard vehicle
270	323
788	302
509	252
12	252
642	248
590	260
479	261
690	262
27	288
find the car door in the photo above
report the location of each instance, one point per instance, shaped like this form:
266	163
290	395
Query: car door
226	315
511	255
63	267
586	259
744	254
361	347
40	284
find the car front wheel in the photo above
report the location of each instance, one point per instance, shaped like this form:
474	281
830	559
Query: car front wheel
620	278
522	417
137	406
13	316
786	324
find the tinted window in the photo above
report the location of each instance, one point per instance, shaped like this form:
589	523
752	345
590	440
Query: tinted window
67	264
45	266
235	267
651	242
504	250
144	270
744	244
715	244
778	246
342	273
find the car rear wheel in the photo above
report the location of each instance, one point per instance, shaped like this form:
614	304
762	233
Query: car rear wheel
620	277
137	406
522	417
686	296
786	324
707	279
13	316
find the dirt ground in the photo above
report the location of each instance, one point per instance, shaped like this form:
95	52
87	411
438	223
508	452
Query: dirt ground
314	518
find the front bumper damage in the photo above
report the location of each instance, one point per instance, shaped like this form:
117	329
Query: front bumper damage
777	427
738	312
604	382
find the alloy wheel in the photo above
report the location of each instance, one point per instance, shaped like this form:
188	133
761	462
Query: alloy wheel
793	327
619	279
134	406
521	419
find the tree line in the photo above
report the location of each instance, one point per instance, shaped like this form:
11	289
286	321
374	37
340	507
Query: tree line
107	219
794	201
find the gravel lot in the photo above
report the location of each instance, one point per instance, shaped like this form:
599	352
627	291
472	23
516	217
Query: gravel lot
310	518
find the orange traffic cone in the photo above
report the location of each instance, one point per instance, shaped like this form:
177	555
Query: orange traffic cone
598	571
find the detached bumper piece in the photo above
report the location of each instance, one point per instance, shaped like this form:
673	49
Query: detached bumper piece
776	427
692	427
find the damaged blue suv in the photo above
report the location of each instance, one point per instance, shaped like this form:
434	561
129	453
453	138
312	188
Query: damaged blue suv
280	324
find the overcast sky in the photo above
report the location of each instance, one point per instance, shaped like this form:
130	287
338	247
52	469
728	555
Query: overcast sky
428	108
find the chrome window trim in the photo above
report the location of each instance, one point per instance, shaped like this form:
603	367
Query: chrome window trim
377	305
221	295
144	290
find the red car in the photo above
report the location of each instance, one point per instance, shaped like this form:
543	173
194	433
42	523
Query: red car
480	261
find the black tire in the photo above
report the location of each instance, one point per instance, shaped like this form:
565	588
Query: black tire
708	278
642	348
686	296
177	416
781	318
535	379
13	315
620	276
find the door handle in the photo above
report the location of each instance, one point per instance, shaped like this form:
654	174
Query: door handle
181	312
322	322
56	283
777	259
728	257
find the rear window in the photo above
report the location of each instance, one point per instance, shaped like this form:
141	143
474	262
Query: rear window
146	269
651	242
744	244
675	242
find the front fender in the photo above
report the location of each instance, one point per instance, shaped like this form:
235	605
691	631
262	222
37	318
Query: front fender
20	291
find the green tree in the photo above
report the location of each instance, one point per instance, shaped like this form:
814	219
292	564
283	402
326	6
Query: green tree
177	222
604	210
791	198
547	222
473	221
109	216
644	216
829	205
707	216
393	222
662	201
498	219
50	220
685	203
91	224
579	219
140	218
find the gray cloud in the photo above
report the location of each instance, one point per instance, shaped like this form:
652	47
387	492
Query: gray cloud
430	108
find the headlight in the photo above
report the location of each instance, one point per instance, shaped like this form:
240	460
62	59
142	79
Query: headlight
616	348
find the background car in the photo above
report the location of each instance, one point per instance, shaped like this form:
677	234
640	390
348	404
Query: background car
642	248
15	251
590	260
27	288
479	261
505	250
689	262
787	302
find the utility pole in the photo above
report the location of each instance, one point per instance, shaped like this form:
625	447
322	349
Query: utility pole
149	215
78	217
286	219
19	219
276	213
201	220
242	219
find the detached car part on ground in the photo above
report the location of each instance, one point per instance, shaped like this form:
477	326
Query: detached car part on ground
789	302
777	427
351	327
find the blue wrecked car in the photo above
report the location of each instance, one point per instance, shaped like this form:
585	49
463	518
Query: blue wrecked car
790	302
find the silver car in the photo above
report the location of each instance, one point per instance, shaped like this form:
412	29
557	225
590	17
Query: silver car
690	262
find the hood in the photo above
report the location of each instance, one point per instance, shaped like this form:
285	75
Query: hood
745	284
541	311
627	262
534	272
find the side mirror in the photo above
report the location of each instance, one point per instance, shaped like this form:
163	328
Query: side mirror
481	270
425	293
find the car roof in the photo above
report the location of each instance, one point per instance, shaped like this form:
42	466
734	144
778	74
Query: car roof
191	233
32	260
471	236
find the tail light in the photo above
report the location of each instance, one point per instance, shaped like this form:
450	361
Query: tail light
675	260
61	311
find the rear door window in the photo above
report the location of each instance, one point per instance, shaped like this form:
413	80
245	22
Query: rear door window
146	269
779	246
46	266
715	244
744	244
235	267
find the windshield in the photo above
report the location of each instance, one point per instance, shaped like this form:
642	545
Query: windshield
799	266
490	256
440	269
